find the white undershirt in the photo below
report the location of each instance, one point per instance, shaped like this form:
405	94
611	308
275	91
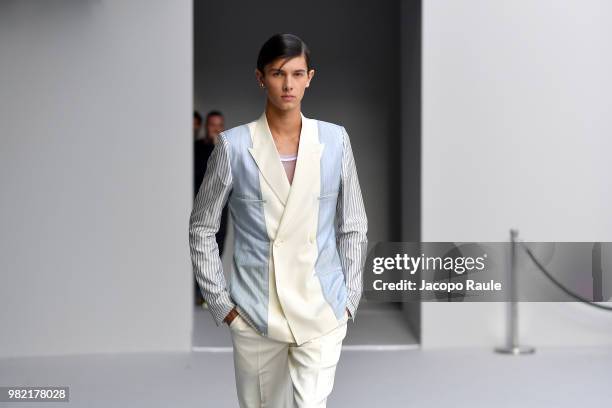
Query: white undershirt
288	162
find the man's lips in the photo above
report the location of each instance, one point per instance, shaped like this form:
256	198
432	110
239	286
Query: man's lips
287	96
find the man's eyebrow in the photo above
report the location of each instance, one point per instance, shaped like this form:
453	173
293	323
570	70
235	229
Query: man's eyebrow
282	70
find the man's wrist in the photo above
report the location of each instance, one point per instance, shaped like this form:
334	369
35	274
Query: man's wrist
231	316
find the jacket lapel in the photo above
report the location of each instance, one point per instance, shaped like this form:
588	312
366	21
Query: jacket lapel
306	179
268	161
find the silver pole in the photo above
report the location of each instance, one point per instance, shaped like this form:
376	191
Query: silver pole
512	322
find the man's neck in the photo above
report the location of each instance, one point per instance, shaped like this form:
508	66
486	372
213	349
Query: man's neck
284	123
210	139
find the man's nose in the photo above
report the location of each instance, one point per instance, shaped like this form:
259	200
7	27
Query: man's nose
287	85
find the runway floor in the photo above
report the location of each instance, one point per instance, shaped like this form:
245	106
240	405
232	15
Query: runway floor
411	377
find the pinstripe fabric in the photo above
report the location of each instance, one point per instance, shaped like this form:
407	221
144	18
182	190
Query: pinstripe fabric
204	224
351	227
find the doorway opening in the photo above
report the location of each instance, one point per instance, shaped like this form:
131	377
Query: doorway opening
367	61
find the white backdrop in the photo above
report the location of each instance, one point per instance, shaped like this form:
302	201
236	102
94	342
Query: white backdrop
517	125
95	127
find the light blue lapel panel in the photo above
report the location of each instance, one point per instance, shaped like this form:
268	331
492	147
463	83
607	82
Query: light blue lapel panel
249	280
328	267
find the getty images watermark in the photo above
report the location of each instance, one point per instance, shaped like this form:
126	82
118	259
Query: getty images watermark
479	271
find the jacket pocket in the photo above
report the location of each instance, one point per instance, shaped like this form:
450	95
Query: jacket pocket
248	200
328	195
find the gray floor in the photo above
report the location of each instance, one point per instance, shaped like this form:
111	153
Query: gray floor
377	326
413	378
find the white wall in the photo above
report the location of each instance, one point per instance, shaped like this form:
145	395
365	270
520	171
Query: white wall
517	125
95	172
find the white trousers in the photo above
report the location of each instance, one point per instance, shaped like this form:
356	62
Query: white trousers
276	374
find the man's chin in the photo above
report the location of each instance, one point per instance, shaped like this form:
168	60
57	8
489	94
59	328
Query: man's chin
288	106
283	106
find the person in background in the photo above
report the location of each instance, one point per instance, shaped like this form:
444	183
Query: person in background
204	140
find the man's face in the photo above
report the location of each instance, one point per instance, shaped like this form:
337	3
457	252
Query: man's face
286	81
214	125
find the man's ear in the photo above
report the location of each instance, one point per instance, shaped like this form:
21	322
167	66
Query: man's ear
258	76
310	75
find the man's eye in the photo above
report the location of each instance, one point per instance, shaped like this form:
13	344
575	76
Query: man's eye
276	74
299	73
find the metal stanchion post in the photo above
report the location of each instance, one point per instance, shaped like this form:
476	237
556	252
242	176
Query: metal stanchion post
512	322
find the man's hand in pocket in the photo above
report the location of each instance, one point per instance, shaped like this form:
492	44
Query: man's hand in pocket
231	316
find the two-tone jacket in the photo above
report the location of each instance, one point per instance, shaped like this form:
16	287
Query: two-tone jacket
299	248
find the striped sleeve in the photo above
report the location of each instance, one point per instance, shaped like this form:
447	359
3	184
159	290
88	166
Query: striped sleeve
351	227
204	224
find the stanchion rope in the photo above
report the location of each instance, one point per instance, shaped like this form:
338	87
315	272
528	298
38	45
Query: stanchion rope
559	285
